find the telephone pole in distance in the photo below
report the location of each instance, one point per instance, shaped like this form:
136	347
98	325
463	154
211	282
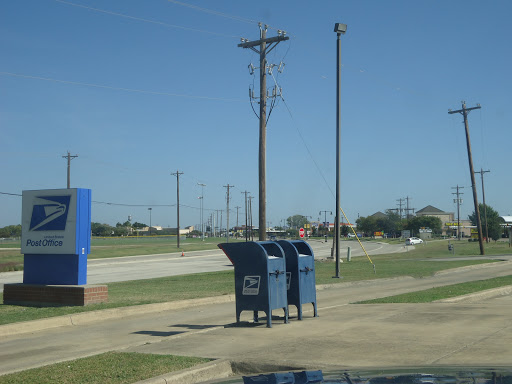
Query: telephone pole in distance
464	112
69	157
227	211
177	174
459	201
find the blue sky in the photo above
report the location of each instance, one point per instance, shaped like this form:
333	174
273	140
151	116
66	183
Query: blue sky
140	89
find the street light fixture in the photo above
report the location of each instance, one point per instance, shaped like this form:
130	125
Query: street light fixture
340	28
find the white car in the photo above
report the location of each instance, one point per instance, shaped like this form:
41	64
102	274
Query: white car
413	240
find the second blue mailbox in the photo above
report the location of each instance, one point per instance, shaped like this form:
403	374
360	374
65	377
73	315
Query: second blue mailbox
260	277
300	269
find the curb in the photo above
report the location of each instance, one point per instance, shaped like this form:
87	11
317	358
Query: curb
106	314
470	267
221	369
477	296
217	369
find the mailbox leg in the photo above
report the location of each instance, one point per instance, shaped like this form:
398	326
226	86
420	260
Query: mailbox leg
255	316
286	321
315	311
269	317
299	311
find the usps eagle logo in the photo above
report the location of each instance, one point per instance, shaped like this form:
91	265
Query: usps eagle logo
49	213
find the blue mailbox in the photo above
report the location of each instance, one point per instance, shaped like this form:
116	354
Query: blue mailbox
300	270
260	277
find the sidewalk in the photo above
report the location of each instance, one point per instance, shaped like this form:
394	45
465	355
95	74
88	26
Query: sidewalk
476	333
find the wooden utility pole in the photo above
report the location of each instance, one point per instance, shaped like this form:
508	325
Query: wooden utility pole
464	112
177	174
458	208
69	157
246	217
265	46
227	211
485	206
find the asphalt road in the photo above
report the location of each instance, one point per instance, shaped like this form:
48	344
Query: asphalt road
101	271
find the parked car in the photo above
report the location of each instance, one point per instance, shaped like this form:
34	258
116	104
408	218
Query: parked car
413	240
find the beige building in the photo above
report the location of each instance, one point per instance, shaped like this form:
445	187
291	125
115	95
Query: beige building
449	221
429	210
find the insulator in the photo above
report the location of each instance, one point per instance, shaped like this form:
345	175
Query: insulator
281	67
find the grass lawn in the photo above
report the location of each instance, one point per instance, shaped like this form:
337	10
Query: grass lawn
139	292
107	368
439	293
418	263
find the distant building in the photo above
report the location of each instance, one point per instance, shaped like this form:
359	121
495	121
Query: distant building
448	220
430	210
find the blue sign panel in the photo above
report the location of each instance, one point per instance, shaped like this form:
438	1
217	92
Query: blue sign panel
56	236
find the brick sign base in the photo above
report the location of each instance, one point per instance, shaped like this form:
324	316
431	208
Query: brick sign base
54	295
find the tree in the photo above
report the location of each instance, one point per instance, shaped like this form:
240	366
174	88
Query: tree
138	225
394	223
494	221
344	230
11	231
432	222
367	225
297	221
101	230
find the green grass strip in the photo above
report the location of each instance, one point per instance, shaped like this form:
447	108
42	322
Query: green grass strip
445	292
107	368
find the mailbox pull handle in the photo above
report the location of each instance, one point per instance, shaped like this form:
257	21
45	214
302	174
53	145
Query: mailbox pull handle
277	272
307	270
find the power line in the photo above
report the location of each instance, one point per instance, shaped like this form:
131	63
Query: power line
115	88
10	194
143	20
212	12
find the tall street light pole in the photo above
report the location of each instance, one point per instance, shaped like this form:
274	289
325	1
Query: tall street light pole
340	29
